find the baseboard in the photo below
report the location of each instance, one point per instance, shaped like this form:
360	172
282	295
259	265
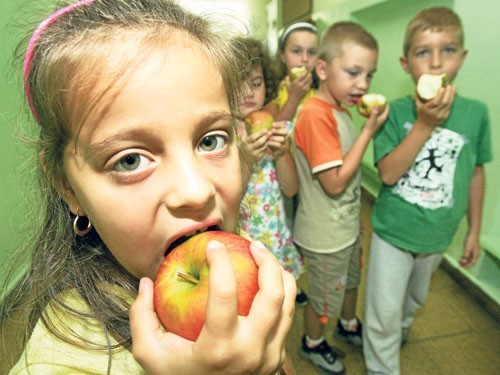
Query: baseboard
484	300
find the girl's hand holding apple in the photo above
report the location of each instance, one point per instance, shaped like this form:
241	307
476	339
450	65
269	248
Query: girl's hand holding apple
299	87
259	337
279	141
255	146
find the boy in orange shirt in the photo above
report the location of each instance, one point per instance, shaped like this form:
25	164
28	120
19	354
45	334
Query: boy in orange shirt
328	155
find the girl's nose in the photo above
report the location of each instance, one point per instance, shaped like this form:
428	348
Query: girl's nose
305	56
190	187
247	90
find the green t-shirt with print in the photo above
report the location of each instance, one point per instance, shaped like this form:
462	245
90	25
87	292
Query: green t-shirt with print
422	211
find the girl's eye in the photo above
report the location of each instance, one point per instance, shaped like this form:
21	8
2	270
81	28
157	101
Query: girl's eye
257	84
212	143
311	53
131	163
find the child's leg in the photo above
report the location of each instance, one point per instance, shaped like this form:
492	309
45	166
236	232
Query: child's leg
314	327
349	304
389	271
418	286
349	327
350	301
326	291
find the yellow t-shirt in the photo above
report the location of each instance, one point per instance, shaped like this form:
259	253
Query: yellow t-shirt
46	354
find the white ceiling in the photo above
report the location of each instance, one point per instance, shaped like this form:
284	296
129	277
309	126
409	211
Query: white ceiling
235	13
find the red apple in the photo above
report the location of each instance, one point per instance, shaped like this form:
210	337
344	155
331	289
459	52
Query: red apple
368	101
259	120
181	286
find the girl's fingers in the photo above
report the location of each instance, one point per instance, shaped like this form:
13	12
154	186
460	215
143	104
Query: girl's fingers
149	339
143	319
268	303
222	306
273	307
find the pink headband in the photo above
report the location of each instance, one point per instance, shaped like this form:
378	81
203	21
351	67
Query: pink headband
34	39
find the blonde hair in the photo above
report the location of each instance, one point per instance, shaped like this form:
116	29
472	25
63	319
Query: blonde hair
69	73
436	19
341	33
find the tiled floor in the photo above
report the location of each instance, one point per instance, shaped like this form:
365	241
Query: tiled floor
452	334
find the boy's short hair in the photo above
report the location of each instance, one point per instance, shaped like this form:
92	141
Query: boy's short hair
436	19
344	32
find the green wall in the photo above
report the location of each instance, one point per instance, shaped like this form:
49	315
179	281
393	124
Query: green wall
478	78
15	183
11	157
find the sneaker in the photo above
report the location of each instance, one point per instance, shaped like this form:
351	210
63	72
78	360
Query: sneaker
355	338
301	299
323	357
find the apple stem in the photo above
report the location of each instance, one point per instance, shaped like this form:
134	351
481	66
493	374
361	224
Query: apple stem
188	278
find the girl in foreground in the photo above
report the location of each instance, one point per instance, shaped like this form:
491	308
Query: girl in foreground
134	102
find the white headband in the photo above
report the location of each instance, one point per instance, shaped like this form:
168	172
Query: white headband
295	26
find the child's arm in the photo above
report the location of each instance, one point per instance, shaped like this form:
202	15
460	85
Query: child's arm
279	144
335	180
297	89
472	248
226	337
429	115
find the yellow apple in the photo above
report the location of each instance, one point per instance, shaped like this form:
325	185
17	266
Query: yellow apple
368	101
297	71
428	85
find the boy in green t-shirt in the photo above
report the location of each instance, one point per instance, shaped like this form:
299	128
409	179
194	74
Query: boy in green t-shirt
430	157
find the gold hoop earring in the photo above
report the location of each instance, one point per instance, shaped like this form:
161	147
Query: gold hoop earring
77	225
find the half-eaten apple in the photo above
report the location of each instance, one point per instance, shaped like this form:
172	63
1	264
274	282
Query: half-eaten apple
181	286
297	71
428	85
259	120
367	102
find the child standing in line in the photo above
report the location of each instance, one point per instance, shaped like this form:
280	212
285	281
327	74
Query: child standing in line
273	175
298	46
328	155
138	151
430	158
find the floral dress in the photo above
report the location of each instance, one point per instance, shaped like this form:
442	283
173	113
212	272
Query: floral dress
264	218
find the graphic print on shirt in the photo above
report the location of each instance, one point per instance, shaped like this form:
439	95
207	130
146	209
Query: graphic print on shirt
429	181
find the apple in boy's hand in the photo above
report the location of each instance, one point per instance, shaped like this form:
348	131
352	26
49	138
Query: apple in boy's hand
297	71
181	286
428	85
259	120
368	101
